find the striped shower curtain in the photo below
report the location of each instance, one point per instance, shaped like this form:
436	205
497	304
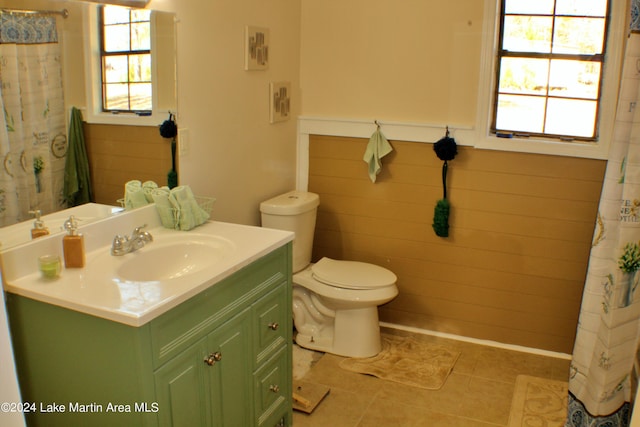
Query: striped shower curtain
603	376
33	140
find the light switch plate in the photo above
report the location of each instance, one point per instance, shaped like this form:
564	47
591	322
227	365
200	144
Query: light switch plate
183	141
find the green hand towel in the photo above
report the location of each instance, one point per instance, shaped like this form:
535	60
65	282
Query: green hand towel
191	214
377	148
148	187
167	207
77	179
134	196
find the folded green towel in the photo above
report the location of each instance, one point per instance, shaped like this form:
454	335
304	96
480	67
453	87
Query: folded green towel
134	196
377	148
166	206
190	213
148	187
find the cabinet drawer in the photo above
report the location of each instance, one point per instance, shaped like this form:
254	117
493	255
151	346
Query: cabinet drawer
271	321
273	389
176	330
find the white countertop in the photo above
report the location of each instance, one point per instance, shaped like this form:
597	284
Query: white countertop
96	289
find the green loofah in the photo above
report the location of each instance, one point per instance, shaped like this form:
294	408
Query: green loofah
441	218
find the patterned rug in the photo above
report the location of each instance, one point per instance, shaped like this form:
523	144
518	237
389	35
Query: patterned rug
407	361
538	402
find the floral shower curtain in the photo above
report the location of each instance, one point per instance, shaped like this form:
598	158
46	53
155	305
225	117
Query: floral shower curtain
33	140
603	377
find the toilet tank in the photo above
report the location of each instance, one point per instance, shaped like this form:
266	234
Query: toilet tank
293	211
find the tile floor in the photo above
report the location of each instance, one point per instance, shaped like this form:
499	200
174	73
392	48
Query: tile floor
477	393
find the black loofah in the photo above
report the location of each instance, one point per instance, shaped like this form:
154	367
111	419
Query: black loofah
446	148
168	128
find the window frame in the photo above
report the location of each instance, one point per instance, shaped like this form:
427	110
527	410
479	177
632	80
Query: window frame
104	54
538	143
93	79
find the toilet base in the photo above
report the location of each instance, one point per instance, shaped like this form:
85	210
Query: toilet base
355	333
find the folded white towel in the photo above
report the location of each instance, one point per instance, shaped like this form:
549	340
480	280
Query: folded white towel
377	148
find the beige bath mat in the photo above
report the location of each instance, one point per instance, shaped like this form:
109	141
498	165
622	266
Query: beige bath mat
538	402
407	361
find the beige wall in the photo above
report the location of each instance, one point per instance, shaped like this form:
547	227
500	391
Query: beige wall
512	269
409	60
235	154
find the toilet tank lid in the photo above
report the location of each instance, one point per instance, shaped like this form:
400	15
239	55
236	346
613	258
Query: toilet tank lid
291	203
352	274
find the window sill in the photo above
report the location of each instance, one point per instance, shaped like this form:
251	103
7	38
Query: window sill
589	150
125	119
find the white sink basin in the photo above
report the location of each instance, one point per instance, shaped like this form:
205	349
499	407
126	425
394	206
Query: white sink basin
135	288
171	258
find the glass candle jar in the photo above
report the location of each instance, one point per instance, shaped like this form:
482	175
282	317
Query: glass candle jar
50	266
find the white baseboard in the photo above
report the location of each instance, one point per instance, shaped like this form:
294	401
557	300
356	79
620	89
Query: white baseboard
488	343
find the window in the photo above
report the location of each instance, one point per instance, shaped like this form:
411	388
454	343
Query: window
549	70
126	60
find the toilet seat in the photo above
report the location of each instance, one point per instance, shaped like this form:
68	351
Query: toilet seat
352	274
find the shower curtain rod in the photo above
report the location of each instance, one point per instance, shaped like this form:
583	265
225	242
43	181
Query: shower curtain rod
64	12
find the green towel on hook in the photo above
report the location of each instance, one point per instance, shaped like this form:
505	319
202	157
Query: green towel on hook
77	180
377	148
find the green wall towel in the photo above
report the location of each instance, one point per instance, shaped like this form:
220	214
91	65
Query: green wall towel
77	181
377	148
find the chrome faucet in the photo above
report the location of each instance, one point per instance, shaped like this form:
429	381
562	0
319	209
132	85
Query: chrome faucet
124	244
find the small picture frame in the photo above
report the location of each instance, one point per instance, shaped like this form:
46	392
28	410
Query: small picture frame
280	99
256	56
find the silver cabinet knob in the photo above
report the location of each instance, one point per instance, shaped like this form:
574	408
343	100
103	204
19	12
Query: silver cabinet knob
274	388
274	326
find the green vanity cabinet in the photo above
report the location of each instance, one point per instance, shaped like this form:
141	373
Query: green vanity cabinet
221	358
203	387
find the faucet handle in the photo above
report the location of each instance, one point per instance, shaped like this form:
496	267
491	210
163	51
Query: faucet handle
138	229
118	245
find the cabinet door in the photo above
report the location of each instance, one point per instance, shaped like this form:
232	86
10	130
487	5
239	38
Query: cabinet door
229	372
182	389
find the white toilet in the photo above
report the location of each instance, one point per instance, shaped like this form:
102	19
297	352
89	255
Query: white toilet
335	303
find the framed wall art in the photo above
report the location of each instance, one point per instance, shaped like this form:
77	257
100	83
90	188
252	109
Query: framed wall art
280	97
256	55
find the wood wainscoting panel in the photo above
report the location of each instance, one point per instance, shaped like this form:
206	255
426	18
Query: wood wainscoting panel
118	154
513	267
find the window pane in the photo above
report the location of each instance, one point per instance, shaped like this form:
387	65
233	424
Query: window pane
533	7
115	69
524	75
579	36
116	38
571	117
115	15
577	79
527	34
582	7
520	113
141	96
140	68
138	15
140	36
116	96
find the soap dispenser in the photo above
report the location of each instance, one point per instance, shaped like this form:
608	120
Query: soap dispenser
73	245
38	229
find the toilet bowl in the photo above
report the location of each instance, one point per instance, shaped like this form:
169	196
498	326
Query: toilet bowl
335	302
